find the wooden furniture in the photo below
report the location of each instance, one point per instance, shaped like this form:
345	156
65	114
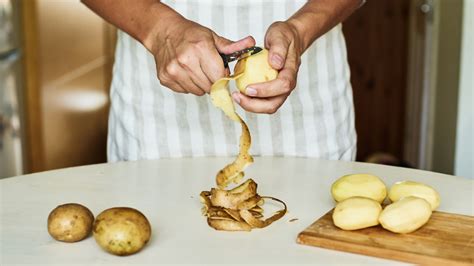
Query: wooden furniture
68	55
377	50
445	240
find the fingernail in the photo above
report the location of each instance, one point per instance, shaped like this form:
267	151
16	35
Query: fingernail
277	60
244	38
251	92
236	97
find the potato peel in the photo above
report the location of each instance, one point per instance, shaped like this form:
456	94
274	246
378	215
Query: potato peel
234	170
227	219
257	209
242	187
220	97
255	214
225	225
234	214
227	199
249	203
257	223
237	209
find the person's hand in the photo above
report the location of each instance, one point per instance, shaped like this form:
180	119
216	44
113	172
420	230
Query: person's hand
285	50
187	56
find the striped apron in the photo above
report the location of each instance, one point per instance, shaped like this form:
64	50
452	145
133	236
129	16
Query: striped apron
149	121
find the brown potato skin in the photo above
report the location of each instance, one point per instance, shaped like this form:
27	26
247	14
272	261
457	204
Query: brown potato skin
121	230
70	222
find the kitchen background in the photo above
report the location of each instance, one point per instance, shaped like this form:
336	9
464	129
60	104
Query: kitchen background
412	64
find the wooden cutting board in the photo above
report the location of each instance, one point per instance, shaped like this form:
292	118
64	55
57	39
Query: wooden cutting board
447	239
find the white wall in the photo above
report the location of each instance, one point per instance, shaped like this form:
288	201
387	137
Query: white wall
464	158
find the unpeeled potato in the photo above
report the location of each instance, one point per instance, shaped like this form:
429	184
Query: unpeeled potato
359	185
70	222
356	213
121	231
255	69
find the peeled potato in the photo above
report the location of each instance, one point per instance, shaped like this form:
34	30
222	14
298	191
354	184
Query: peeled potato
405	215
410	188
359	185
255	69
70	222
356	213
121	231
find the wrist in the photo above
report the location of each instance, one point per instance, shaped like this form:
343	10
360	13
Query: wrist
299	31
158	23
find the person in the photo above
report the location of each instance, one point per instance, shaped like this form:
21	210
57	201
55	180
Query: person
167	57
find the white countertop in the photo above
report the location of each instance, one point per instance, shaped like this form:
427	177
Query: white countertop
167	192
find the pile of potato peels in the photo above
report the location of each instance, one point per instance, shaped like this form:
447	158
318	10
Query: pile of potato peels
237	209
240	208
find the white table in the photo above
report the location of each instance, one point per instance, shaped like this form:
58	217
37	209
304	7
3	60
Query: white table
166	191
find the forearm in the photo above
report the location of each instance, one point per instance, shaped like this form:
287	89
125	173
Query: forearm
317	17
140	18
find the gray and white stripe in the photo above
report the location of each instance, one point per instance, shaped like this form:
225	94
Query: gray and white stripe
149	121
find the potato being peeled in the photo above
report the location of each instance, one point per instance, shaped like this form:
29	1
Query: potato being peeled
255	69
359	185
356	213
121	231
410	188
70	222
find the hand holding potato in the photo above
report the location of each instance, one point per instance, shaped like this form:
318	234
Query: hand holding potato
285	49
254	69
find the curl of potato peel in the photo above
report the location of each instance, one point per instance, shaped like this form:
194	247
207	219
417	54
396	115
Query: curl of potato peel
233	172
257	208
257	223
249	203
256	214
238	209
226	219
229	199
234	214
225	225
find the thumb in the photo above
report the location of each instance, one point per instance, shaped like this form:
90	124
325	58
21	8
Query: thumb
226	46
278	49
